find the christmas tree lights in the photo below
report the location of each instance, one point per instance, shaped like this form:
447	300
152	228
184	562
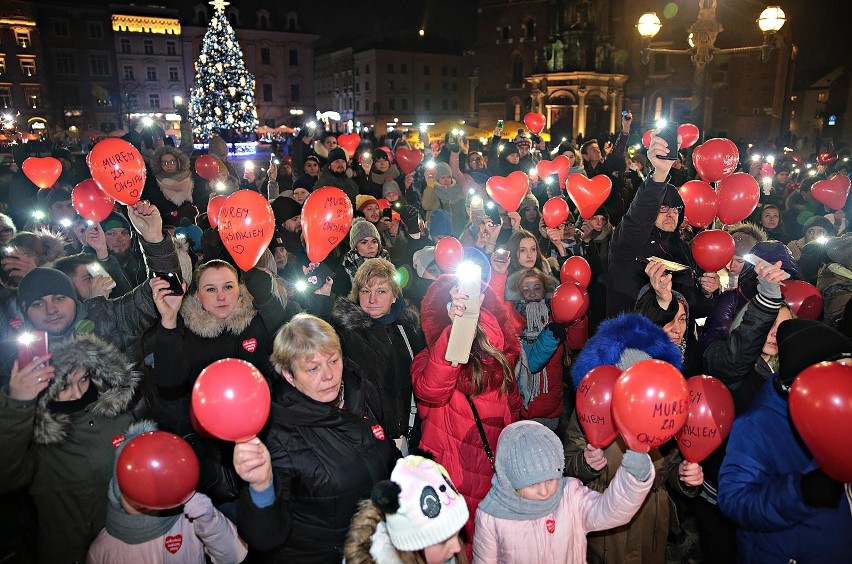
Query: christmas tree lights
222	96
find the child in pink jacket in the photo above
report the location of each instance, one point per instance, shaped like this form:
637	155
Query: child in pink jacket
532	514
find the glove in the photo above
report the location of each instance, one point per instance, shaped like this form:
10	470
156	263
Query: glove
260	285
557	329
199	507
820	490
637	464
771	290
409	216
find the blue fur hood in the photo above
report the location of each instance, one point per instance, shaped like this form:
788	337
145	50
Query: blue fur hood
627	331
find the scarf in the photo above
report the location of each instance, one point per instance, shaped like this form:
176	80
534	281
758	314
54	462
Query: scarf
531	385
73	406
175	186
352	261
503	502
135	529
449	195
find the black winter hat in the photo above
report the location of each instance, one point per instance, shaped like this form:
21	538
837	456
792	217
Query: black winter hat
41	282
378	155
805	342
305	181
336	154
284	208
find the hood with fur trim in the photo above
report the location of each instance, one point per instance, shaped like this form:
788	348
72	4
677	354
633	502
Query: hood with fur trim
627	331
206	325
352	317
512	295
182	158
110	373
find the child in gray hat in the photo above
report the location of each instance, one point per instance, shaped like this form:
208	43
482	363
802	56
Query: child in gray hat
533	514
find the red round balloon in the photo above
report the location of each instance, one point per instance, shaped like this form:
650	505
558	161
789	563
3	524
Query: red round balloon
508	191
803	298
157	470
42	171
535	122
408	159
246	226
699	203
207	167
554	212
214	206
649	404
715	159
560	166
349	142
594	405
646	138
739	195
588	194
832	192
577	269
119	170
448	254
569	302
713	249
766	171
688	134
90	202
231	400
821	408
710	415
826	157
326	219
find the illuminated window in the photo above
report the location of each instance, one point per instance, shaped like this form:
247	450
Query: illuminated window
22	37
33	96
5	97
28	67
822	96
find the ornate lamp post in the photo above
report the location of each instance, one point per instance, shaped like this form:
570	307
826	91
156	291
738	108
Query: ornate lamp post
702	39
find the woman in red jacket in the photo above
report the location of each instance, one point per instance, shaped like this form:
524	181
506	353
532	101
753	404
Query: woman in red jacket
450	430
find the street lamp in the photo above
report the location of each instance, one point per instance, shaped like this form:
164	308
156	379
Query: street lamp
702	38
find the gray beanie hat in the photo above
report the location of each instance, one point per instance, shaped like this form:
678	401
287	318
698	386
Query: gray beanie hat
442	169
390	186
529	453
360	229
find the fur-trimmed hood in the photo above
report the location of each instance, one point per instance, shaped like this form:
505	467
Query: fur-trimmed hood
512	295
110	373
182	158
203	324
351	317
627	331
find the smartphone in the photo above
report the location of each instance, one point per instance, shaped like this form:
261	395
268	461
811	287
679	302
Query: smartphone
95	269
668	132
501	255
755	260
671	266
317	277
174	280
31	345
500	124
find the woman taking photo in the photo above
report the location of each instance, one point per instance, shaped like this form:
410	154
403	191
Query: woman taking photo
464	407
323	450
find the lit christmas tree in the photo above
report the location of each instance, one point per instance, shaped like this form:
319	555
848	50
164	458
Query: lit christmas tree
222	96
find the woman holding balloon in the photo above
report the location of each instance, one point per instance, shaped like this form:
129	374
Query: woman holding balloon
323	451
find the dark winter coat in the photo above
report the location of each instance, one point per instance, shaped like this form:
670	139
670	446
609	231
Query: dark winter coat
371	184
342	181
67	460
324	460
384	349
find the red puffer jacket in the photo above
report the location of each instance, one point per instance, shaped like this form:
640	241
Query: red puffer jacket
449	429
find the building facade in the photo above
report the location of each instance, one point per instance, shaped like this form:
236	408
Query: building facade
334	74
23	104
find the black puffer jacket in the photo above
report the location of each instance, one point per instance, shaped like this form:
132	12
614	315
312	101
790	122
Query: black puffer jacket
325	460
382	352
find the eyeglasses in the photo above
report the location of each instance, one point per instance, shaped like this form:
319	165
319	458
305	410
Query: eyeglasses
168	163
666	209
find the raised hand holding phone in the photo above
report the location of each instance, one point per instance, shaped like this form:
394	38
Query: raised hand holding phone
464	311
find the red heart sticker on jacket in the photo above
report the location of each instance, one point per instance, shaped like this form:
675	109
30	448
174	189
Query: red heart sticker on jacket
117	440
250	344
551	525
174	543
16	322
378	432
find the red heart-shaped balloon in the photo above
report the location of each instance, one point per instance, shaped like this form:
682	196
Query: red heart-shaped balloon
508	191
90	202
699	203
821	408
119	169
713	249
649	404
213	207
535	122
646	138
715	159
826	157
207	167
326	219
408	159
833	191
561	166
588	194
803	298
554	212
739	195
688	134
349	142
42	171
766	171
246	225
594	405
710	415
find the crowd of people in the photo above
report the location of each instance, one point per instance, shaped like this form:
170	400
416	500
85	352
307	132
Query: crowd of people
377	448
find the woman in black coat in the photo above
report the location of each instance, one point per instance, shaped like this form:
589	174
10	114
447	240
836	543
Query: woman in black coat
323	450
